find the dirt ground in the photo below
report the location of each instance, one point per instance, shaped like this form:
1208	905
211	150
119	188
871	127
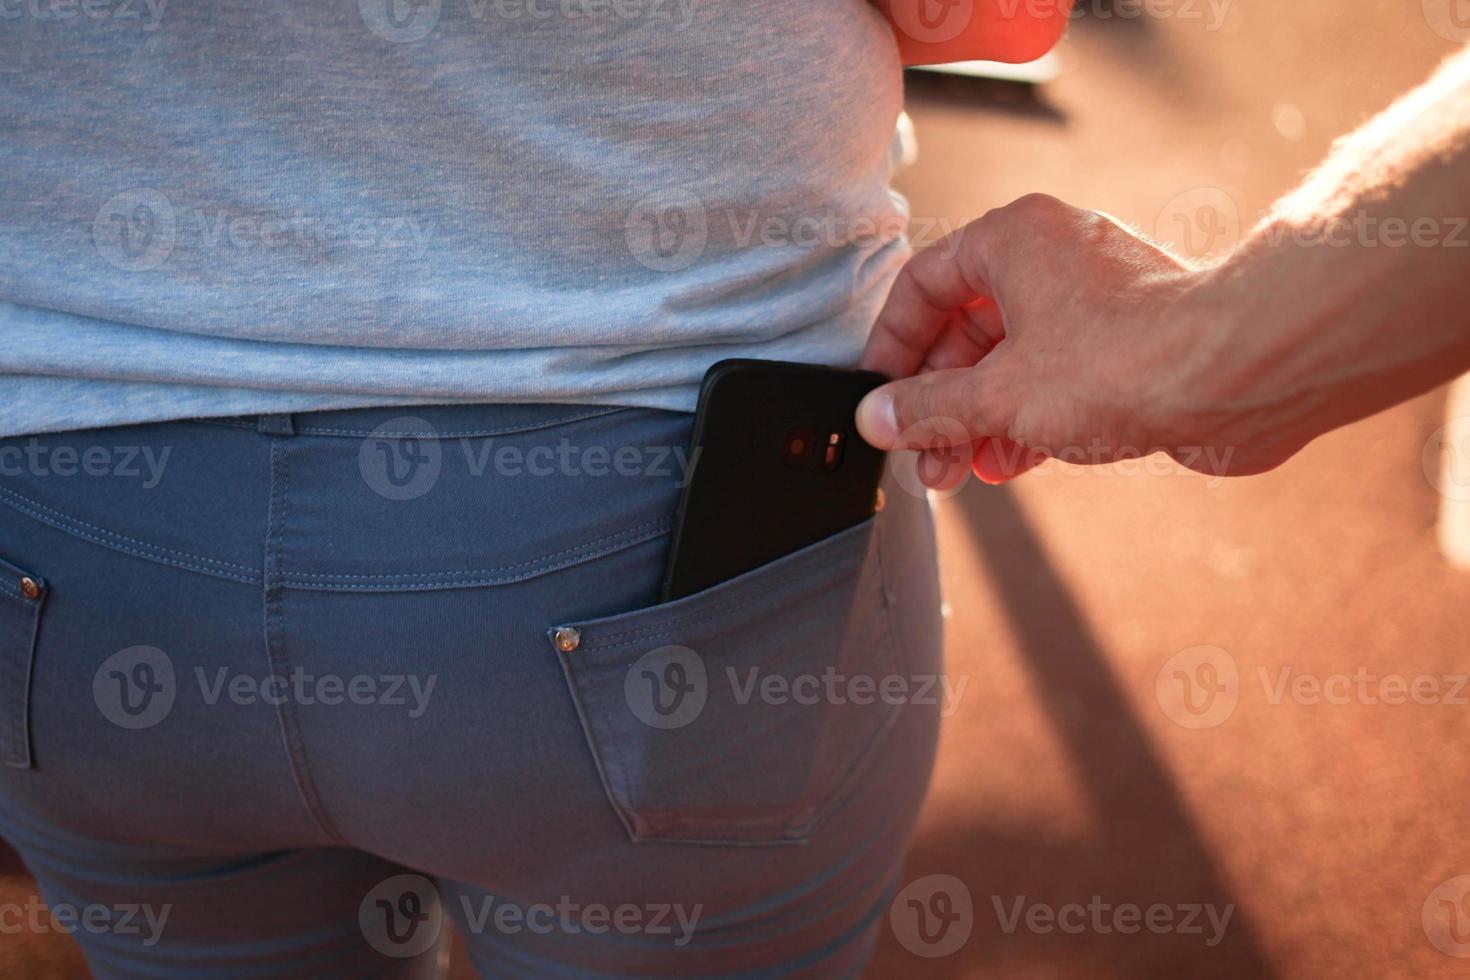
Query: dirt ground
1078	769
1063	777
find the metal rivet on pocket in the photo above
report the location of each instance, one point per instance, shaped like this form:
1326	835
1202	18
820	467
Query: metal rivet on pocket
567	638
30	588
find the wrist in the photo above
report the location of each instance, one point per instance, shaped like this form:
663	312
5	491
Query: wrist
1217	395
1253	381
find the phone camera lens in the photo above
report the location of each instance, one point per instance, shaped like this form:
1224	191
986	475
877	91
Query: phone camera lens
797	444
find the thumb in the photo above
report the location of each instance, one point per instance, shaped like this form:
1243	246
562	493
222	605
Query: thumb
937	410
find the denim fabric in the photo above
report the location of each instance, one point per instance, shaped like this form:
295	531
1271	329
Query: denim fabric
282	696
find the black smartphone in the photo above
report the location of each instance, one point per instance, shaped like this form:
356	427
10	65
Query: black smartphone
776	464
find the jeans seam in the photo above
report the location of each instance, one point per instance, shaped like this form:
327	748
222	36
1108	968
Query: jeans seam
508	430
275	644
310	430
138	549
231	423
335	582
504	574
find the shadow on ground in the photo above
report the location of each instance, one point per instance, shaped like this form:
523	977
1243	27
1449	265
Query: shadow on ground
1146	849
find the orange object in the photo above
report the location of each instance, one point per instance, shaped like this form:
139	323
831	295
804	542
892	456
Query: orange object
932	32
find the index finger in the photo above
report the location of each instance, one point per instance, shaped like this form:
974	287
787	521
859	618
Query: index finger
929	289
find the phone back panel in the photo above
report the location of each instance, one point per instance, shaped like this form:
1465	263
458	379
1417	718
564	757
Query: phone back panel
762	484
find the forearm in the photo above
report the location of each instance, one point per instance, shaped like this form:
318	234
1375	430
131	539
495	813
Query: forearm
1054	327
1354	294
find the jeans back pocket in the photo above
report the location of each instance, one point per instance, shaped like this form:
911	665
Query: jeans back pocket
744	713
22	595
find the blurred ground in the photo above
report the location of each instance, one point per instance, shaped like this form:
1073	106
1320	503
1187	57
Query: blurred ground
1062	775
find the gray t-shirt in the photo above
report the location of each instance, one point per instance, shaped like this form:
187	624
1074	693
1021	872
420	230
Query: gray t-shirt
218	207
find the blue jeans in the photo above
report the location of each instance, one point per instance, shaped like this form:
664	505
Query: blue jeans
283	696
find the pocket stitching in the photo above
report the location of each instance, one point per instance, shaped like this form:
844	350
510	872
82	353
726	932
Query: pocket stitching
102	537
610	761
624	637
15	697
841	788
658	632
503	574
20	697
608	755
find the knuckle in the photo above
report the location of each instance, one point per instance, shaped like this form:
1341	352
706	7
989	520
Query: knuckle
921	404
1036	207
1028	221
1038	202
1095	228
923	420
989	406
971	394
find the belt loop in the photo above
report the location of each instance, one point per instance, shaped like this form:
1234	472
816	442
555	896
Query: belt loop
276	425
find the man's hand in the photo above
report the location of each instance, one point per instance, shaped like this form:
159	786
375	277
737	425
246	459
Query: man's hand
1038	330
1061	331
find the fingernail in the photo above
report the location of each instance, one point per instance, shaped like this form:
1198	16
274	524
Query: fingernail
877	420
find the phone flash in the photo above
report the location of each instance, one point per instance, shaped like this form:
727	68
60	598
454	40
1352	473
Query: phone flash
834	451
